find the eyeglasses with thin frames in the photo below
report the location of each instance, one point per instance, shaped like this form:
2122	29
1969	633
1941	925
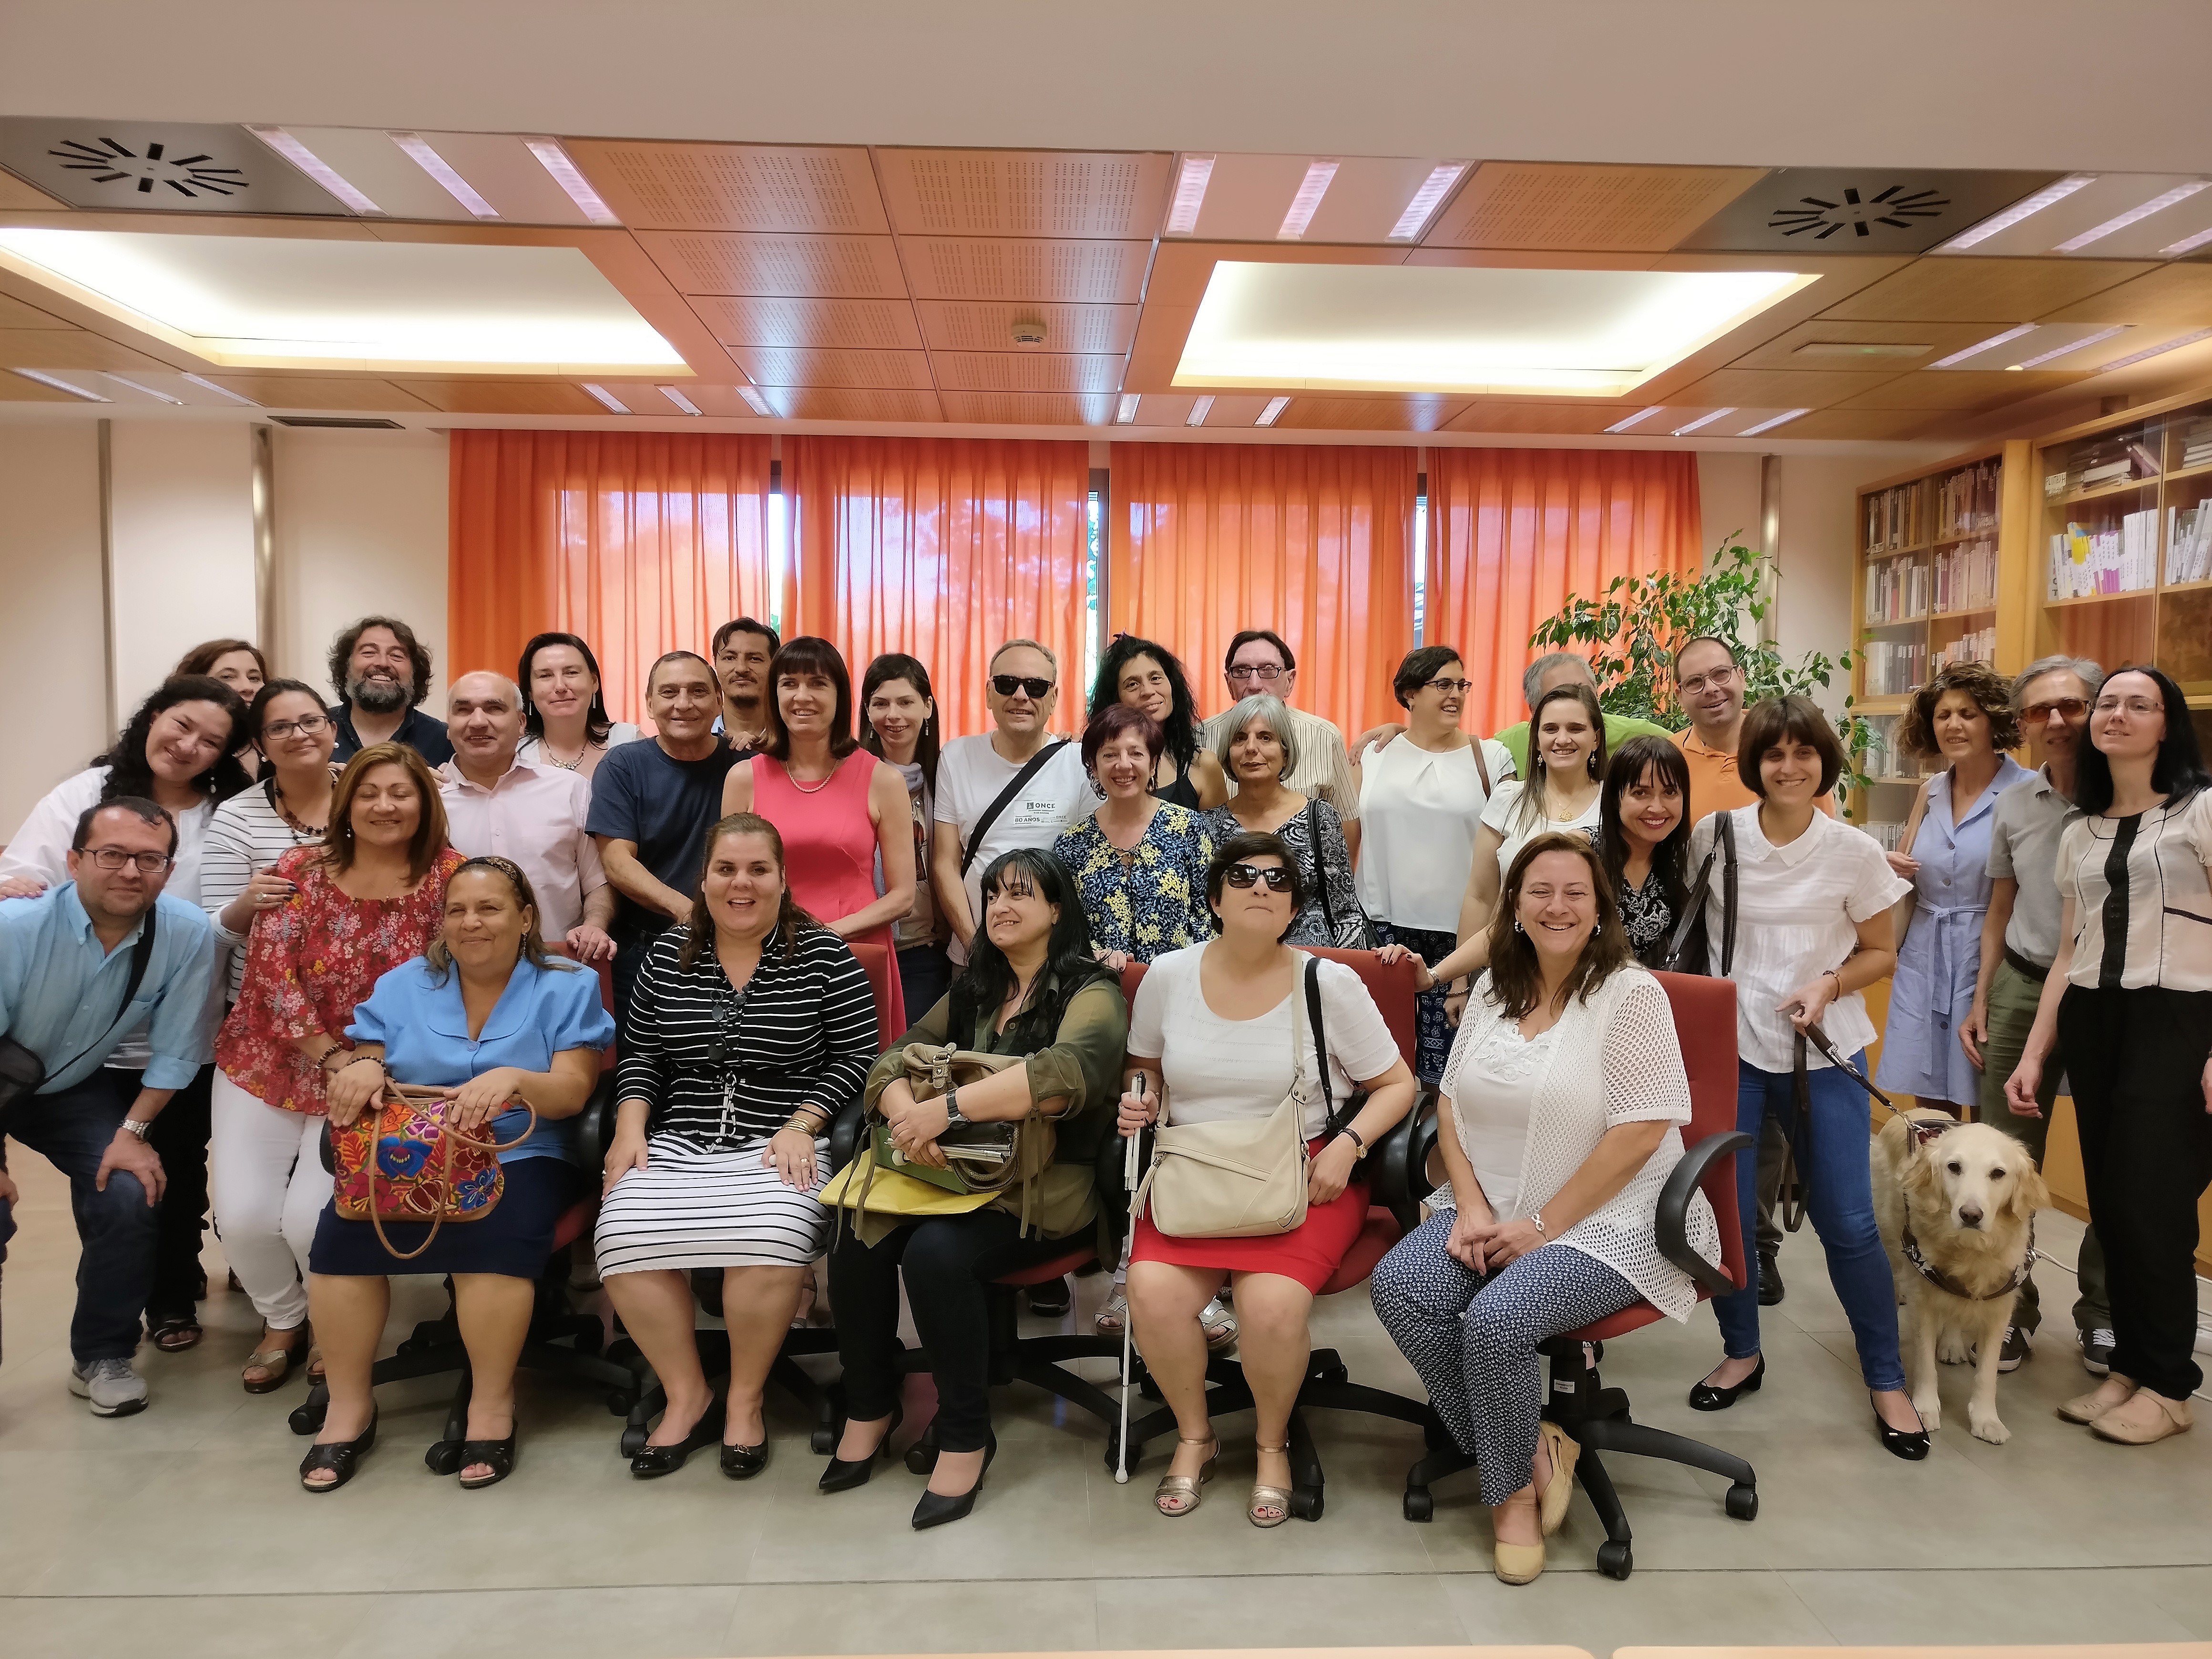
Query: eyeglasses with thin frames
2134	706
1243	875
306	727
114	858
1718	679
1006	684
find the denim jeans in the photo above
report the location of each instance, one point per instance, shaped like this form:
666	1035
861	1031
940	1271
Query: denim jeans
71	1129
1832	1151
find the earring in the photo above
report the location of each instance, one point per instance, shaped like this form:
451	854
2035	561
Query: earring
1517	928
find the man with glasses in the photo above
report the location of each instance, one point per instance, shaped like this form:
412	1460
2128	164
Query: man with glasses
743	650
81	965
2020	938
1710	684
1259	663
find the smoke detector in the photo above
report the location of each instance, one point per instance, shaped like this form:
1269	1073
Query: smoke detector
1029	334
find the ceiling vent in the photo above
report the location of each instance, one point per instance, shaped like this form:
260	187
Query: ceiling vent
179	167
1858	211
348	422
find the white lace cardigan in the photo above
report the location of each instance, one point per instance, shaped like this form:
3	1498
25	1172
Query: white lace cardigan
1615	1061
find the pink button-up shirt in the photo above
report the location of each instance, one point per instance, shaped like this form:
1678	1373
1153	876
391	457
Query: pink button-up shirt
535	815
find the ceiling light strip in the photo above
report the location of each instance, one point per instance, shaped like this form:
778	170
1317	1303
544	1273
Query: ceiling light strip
60	385
1126	413
147	389
608	398
1199	411
1787	416
206	385
2018	211
570	177
1703	420
1640	415
753	401
1990	344
2156	204
680	400
1426	199
419	151
315	168
1189	194
1303	204
2186	245
2077	345
1273	412
2116	363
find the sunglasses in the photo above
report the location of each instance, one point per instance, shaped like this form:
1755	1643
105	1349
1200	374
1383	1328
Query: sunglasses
1006	684
1243	875
2072	707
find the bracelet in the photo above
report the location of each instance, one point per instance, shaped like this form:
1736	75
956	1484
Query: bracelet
802	1125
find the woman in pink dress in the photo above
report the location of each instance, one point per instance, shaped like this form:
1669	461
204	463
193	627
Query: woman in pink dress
839	809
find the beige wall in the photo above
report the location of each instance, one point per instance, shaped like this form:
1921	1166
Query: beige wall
1728	496
52	658
182	524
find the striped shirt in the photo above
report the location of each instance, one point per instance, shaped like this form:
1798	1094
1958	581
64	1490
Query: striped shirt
719	1067
2141	888
247	834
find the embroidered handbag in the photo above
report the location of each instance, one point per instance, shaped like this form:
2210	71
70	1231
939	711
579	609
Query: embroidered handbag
399	1162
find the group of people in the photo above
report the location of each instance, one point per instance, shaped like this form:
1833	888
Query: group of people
258	913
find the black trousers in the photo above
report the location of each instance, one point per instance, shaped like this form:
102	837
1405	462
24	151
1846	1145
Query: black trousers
2135	1059
179	1135
948	1261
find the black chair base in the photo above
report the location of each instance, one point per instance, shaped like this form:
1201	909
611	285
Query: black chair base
1596	1418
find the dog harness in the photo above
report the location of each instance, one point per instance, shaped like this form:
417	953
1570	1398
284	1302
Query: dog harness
1921	1134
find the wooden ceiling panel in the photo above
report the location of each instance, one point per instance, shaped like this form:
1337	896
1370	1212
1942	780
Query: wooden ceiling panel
1026	371
809	403
797	267
324	392
1940	339
1861	425
2176	296
979	268
1570	420
16	196
996	192
753	187
505	397
14	313
1380	414
1960	388
15	389
68	348
1777	388
1566	205
989	325
886	370
1942	290
1027	409
794	325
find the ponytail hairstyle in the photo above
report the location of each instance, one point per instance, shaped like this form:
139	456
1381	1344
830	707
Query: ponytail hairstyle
790	920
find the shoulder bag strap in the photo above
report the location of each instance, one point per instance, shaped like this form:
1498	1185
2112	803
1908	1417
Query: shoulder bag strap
1332	1121
1482	768
1320	873
1728	892
1006	798
1694	907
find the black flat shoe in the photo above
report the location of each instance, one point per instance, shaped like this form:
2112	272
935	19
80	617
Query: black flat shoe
654	1462
935	1509
1910	1444
1706	1397
342	1457
1052	1299
845	1473
498	1454
1770	1280
744	1463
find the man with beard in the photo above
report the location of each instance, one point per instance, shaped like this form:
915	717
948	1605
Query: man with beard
742	650
382	672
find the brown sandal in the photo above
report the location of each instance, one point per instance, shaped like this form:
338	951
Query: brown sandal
276	1364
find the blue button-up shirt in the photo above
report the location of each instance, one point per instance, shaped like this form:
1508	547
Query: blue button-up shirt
60	988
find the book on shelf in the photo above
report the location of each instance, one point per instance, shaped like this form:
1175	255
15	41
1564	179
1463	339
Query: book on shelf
1966	576
2122	559
2188	543
1897	591
1967	500
1980	646
1893	667
1897	517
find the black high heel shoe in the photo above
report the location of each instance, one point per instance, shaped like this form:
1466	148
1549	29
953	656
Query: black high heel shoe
1708	1397
1910	1444
935	1508
341	1456
654	1462
845	1473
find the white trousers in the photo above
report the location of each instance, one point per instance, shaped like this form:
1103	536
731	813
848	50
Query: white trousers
268	1186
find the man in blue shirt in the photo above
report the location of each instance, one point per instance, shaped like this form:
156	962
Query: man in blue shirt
68	961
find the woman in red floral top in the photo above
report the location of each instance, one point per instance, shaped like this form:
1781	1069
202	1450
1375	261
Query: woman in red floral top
371	897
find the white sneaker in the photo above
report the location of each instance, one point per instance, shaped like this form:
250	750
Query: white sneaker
112	1387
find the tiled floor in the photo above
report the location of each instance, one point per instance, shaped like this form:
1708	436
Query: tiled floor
183	1531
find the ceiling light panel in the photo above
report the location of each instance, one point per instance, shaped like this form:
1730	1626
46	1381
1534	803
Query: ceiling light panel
1194	175
1427	200
425	155
1249	197
867	325
1125	408
74	386
1997	224
1273	412
570	178
1774	421
1702	422
2105	235
1319	176
2158	350
509	177
745	187
383	172
1589	208
165	167
2029	346
792	267
674	395
606	399
1199	408
1587	333
1638	418
984	267
289	147
991	192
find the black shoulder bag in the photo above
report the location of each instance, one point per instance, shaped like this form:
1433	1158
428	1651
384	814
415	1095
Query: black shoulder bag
1690	951
1006	798
22	1072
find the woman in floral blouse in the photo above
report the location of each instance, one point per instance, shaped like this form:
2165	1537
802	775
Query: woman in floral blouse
1643	814
371	897
1139	861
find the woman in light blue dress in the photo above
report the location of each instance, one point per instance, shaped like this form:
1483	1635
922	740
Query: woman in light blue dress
1963	716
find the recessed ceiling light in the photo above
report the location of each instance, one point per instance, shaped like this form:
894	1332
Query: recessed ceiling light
419	151
1189	194
1861	349
1704	419
1199	411
1128	410
2157	204
1302	205
2018	211
566	174
2123	363
1273	412
1473	329
753	401
1640	415
608	398
2186	245
680	400
221	391
1787	416
1432	191
1990	344
315	168
147	389
60	385
2070	346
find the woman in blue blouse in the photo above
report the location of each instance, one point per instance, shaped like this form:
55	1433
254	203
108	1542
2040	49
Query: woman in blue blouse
487	1015
1139	861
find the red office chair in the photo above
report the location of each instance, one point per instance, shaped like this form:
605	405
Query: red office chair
1596	1416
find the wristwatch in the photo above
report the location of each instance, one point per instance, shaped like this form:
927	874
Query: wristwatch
953	1117
137	1127
1357	1140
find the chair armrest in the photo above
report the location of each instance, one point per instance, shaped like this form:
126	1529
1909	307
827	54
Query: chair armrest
1396	1181
595	1125
1673	1219
844	1134
1423	1144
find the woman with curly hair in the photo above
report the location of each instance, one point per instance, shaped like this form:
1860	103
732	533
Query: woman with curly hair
1148	679
1964	717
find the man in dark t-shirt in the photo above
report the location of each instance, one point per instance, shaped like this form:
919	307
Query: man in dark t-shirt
653	803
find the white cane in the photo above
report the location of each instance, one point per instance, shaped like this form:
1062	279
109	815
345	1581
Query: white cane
1130	1156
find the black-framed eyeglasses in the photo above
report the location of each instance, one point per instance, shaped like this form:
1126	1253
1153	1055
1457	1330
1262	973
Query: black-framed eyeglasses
1462	687
1267	673
114	858
306	727
2071	707
1243	875
1006	684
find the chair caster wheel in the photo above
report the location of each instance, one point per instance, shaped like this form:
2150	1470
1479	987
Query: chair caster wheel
921	1457
1615	1559
1306	1503
1420	1505
823	1442
1335	1376
632	1440
620	1402
1741	1501
444	1457
307	1419
1114	1451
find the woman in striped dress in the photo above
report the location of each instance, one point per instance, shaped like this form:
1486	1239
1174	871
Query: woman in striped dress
748	1032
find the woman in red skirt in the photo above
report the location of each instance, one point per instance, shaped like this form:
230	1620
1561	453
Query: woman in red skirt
1210	1034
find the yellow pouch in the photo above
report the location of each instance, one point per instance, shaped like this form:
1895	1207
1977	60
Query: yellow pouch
865	1186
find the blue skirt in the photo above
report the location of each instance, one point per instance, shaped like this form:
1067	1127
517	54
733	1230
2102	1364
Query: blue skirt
515	1240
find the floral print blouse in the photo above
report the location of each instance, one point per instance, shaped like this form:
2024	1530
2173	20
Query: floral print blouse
1148	901
1327	868
308	964
1647	917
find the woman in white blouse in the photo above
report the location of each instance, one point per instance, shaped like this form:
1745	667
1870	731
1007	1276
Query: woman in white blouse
1558	1125
1812	931
2128	1005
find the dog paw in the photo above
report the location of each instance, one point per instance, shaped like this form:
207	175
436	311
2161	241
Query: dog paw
1952	1351
1988	1428
1931	1412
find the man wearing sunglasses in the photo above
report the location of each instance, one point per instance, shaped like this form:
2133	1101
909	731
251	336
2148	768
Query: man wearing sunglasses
2019	937
1018	787
81	965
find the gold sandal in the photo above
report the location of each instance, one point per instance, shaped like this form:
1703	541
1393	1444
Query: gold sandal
1277	1498
1186	1487
277	1365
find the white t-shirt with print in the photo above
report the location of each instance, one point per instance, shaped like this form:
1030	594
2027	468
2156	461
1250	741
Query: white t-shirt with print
970	774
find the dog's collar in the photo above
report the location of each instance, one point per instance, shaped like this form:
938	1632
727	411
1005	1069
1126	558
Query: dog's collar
1950	1286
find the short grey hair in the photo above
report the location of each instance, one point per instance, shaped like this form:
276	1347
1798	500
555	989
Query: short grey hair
1272	712
514	691
1532	682
2089	673
1042	649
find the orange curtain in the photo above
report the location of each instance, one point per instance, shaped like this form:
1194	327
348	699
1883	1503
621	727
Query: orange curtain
942	547
1311	541
641	542
1512	532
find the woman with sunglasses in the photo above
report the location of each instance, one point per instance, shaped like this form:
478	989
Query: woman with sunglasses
1139	861
1210	1037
